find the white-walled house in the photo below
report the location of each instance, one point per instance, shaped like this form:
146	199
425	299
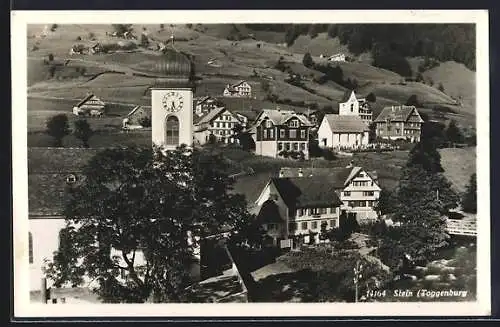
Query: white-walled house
240	89
357	188
336	131
220	123
350	105
297	206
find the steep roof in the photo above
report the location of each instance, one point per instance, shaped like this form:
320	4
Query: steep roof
59	160
211	115
346	96
301	192
137	108
87	98
279	117
346	124
48	170
269	213
336	177
239	83
396	113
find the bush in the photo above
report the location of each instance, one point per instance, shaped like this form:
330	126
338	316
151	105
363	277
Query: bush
307	60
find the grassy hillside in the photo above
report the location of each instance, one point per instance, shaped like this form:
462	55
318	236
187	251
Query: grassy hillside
458	165
458	81
220	61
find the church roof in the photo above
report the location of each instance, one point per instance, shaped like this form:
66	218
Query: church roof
346	124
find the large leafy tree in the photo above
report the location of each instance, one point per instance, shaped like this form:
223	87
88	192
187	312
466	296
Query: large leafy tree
128	222
83	131
58	128
424	196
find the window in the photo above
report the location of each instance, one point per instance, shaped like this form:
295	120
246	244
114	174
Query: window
172	130
292	227
300	212
282	133
280	146
302	134
294	123
332	210
302	146
322	211
265	134
271	133
314	211
304	225
30	247
314	225
295	146
287	146
352	107
71	179
217	124
347	193
293	133
368	193
397	130
333	223
269	124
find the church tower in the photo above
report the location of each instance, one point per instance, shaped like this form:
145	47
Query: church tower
172	101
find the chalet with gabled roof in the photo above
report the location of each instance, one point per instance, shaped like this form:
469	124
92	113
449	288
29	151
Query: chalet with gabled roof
307	198
240	89
399	122
357	188
279	132
91	105
218	124
300	206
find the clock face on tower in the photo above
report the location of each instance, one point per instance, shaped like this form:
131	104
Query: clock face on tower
172	101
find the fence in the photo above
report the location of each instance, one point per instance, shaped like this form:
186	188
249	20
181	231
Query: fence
461	227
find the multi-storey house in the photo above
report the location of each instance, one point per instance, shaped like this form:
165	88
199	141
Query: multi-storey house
205	104
399	122
342	132
297	206
349	105
357	188
240	89
220	123
277	131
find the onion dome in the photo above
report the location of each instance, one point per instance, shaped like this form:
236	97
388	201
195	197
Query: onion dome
172	68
